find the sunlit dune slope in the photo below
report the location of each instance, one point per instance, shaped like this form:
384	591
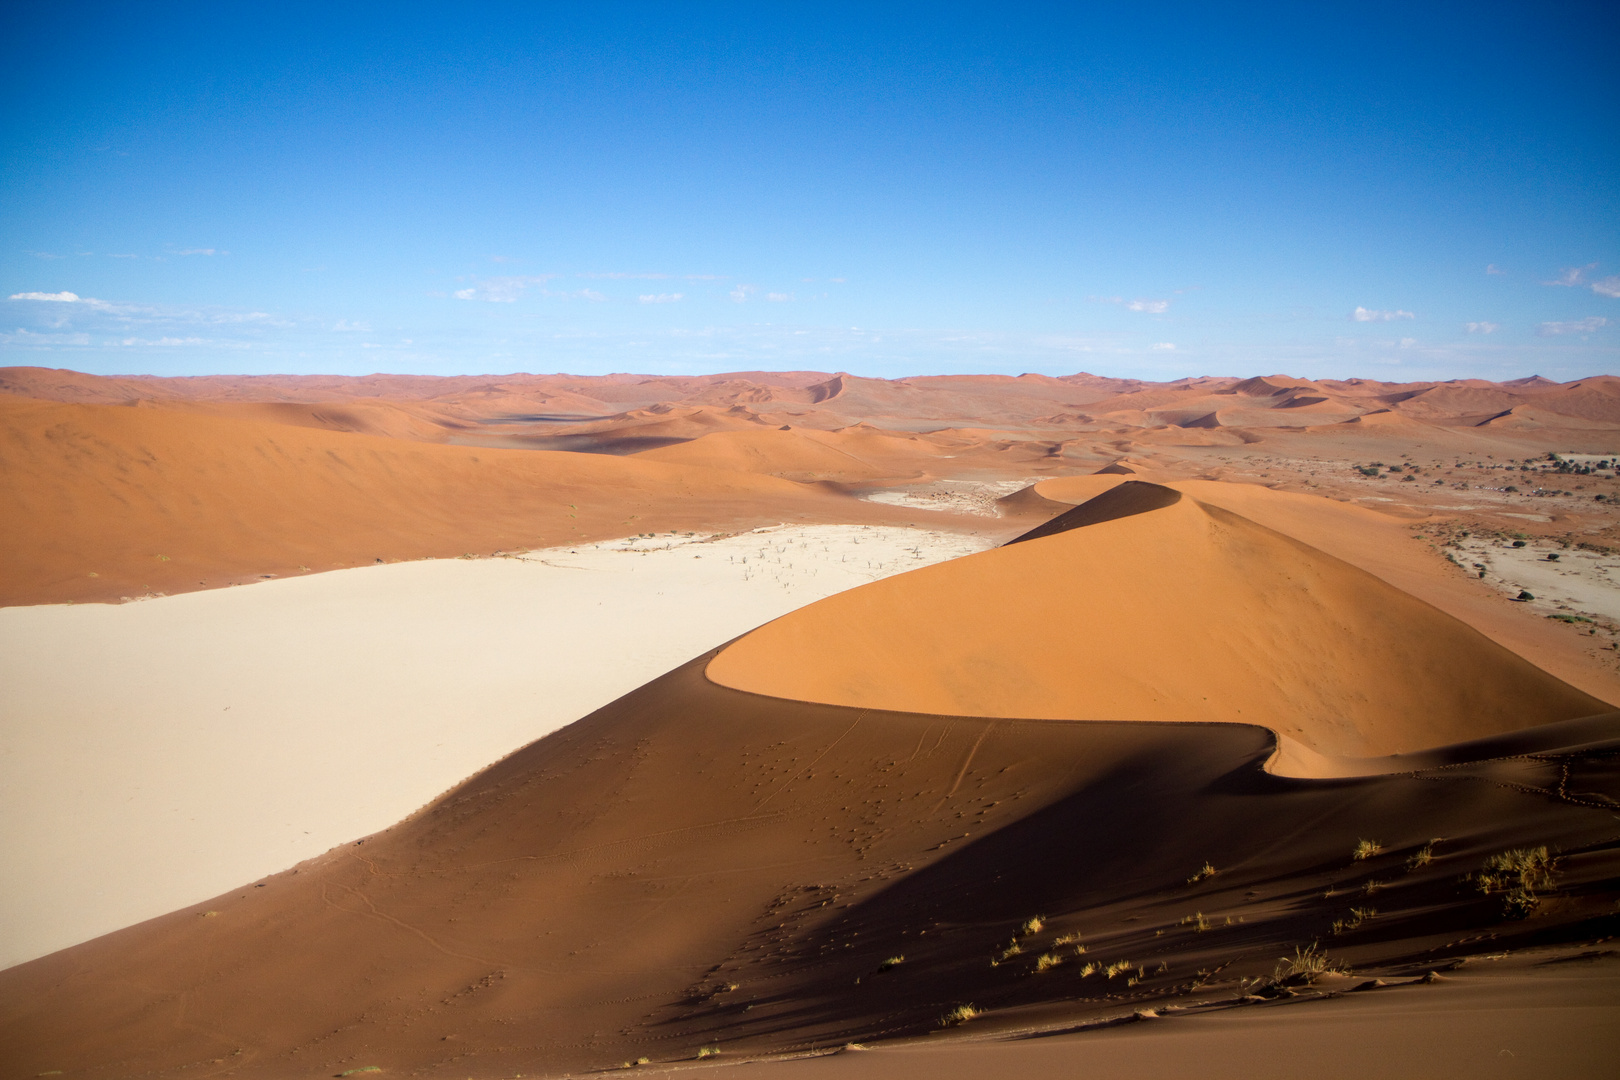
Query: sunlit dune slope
103	501
1388	547
802	453
1174	610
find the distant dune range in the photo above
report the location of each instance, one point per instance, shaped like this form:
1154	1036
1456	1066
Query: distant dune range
1183	725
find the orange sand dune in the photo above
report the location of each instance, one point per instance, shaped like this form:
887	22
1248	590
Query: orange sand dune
100	501
1161	607
694	867
804	454
1384	546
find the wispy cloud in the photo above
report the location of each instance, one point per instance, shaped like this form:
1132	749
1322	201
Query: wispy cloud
1483	328
1492	268
620	276
1164	346
345	325
1362	314
1609	286
55	297
661	298
501	290
200	251
1571	276
1155	307
1576	326
741	293
779	297
22	336
116	255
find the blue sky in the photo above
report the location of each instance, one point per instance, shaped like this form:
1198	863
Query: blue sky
1389	191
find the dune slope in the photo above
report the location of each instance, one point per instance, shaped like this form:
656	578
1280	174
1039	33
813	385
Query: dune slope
103	501
694	866
1157	607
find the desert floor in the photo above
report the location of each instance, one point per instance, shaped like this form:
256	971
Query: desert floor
543	725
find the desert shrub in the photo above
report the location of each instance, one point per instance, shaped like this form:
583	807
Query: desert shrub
959	1015
1366	849
1304	967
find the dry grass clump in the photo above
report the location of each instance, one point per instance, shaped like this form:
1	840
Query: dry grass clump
1118	967
1032	925
1518	874
1358	915
1088	971
1423	856
1304	967
1198	921
1047	961
959	1015
708	1051
891	962
1206	871
1067	939
1366	849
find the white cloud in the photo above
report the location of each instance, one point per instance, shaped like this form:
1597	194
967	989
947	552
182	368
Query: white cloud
58	297
1609	286
1578	326
1362	314
357	326
1494	269
112	255
617	276
175	341
1571	276
1166	346
1408	342
29	337
779	297
1156	307
741	293
201	251
588	294
1483	328
661	298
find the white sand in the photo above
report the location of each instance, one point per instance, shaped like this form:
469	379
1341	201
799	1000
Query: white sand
1575	582
155	754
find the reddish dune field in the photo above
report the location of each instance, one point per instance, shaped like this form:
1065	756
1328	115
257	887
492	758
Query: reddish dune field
1232	751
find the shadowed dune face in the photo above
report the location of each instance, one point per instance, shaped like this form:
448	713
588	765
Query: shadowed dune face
693	866
1157	607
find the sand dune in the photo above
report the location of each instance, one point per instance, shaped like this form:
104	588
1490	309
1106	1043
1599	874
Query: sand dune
1266	630
102	502
693	866
932	791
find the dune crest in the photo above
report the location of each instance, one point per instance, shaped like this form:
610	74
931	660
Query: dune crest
1267	631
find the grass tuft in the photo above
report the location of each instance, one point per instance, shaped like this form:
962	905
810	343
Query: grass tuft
1206	871
959	1015
1519	875
1366	849
1304	967
1032	925
891	962
1047	961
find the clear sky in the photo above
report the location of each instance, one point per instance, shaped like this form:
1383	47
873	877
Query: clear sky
1393	191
